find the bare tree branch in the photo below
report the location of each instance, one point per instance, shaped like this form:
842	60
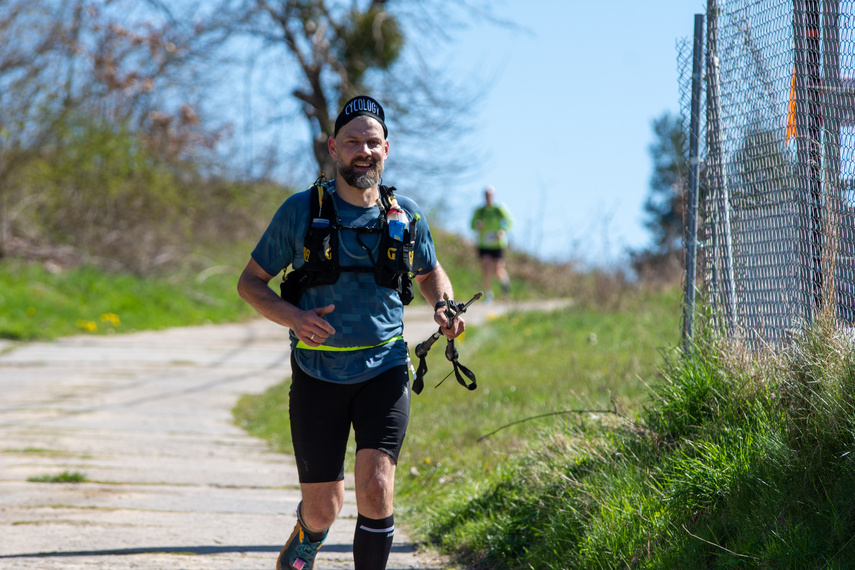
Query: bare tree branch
344	48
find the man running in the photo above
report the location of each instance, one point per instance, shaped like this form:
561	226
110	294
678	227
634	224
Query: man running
346	296
492	222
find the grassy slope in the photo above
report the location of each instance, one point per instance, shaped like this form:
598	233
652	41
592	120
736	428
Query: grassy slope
735	462
38	304
528	365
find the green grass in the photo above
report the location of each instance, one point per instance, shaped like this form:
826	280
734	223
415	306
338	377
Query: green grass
265	416
40	451
735	462
37	304
529	365
64	477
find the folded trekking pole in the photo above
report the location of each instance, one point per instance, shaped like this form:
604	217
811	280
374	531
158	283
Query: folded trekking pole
452	311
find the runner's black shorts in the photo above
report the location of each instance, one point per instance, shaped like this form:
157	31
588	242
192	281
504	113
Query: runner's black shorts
323	412
494	253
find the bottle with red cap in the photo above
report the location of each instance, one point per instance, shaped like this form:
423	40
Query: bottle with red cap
396	217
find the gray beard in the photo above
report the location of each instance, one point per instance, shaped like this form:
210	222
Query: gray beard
361	180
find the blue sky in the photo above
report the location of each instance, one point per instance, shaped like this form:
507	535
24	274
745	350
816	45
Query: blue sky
567	123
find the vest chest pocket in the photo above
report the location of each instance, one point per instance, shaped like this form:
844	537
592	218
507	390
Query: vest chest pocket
394	267
318	245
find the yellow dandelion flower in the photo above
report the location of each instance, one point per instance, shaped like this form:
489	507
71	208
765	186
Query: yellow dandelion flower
111	318
31	311
88	326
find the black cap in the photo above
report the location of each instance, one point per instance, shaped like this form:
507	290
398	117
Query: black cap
358	106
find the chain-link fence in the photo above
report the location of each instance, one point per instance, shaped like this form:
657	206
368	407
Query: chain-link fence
776	238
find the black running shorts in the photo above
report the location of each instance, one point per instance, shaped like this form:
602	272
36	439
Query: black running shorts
323	412
494	253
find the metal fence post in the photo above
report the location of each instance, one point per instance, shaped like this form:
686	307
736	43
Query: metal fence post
722	263
808	139
838	293
692	210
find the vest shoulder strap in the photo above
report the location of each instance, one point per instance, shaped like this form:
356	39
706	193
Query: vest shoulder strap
321	203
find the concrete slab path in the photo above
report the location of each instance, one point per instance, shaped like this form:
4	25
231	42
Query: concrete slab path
171	483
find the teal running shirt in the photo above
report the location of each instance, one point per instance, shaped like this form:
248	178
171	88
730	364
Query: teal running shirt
366	314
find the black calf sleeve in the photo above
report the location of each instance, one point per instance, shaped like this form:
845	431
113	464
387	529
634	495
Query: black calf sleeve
372	542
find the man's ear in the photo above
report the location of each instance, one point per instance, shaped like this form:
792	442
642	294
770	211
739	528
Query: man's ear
331	147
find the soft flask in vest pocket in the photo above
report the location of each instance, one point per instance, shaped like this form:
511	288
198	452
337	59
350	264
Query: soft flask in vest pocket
318	245
395	265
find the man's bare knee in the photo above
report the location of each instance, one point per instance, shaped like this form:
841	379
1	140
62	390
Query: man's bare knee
321	504
375	483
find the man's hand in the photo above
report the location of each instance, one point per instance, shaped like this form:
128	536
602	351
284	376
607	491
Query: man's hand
457	326
435	287
311	328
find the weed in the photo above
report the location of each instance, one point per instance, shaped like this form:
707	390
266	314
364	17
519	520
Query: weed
64	477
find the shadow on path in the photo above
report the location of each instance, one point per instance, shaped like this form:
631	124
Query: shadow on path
200	550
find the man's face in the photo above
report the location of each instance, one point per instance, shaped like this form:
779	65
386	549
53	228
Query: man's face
360	151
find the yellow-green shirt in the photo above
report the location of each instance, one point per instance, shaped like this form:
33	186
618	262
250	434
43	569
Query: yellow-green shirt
495	221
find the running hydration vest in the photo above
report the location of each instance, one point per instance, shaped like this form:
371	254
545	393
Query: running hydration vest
321	256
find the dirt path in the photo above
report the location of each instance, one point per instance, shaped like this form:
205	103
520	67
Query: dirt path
171	482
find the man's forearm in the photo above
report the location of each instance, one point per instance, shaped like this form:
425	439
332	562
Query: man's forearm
263	299
434	284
